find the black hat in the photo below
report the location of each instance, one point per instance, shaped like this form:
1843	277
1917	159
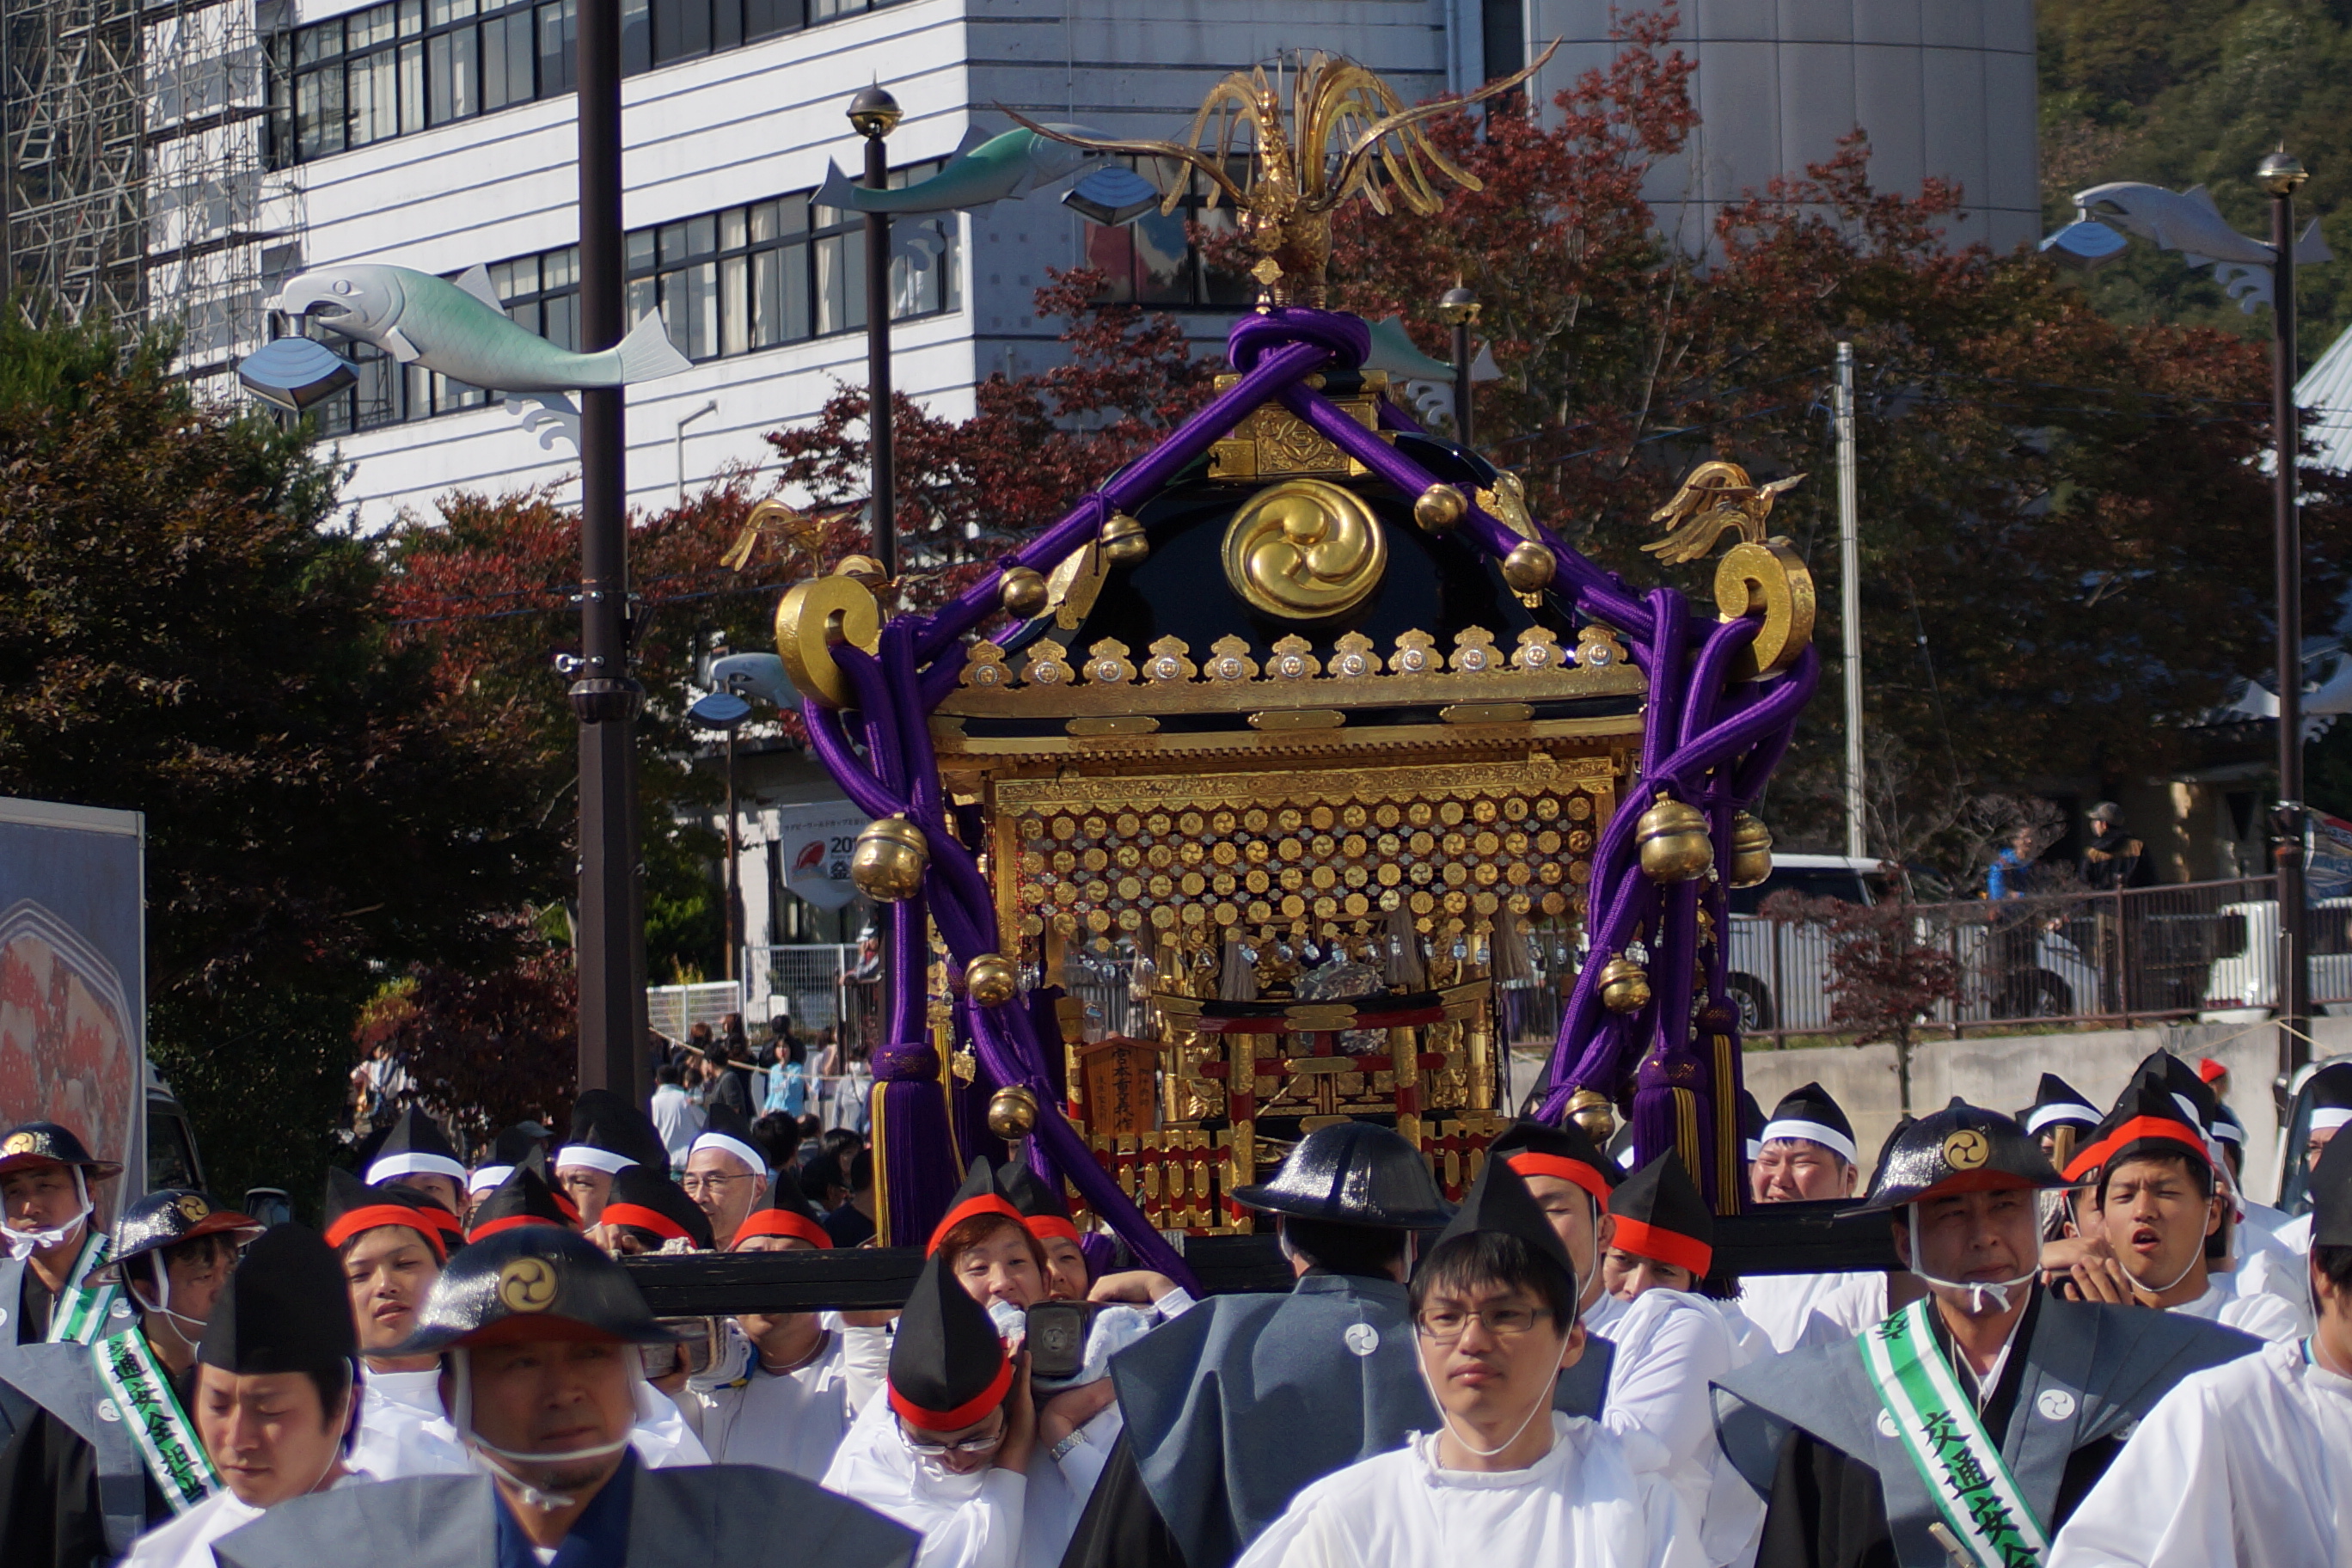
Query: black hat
947	1368
785	1213
2331	1195
1500	1202
532	1282
2196	1097
649	1203
979	1194
2148	1119
168	1215
1959	1148
1811	1114
2057	1104
46	1143
608	1133
2330	1089
726	1131
1566	1152
1660	1215
2228	1129
1751	1125
522	1199
416	1147
354	1206
1353	1173
286	1309
523	1143
1041	1205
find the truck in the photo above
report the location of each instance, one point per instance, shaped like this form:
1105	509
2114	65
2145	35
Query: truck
73	992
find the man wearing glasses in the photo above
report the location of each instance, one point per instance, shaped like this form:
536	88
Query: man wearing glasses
726	1174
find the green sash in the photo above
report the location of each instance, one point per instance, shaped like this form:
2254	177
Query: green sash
1979	1499
82	1309
159	1427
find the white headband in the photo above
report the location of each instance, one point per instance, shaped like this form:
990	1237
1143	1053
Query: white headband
2328	1118
1829	1137
392	1167
487	1177
2060	1111
2229	1132
596	1159
752	1159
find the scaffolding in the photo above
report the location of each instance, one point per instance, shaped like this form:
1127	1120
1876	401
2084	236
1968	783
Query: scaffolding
137	185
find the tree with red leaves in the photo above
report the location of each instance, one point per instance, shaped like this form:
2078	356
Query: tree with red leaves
1883	980
484	1051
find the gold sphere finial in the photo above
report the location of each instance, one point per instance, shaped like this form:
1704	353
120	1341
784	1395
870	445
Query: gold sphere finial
1023	592
1012	1113
1439	508
2281	173
874	113
989	980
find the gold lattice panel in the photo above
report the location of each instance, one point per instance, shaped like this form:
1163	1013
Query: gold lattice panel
1193	857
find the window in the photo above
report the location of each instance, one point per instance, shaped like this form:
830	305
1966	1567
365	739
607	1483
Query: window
1152	260
728	282
401	67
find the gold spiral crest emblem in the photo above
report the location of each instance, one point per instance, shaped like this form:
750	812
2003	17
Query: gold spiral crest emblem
1967	1149
527	1285
1305	550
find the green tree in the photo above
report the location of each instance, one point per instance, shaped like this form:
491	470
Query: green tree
184	633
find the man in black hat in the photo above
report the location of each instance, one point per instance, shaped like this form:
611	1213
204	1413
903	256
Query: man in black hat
1234	1406
1971	1422
522	1143
274	1393
417	1154
1506	1477
536	1332
2060	1119
112	1450
608	1134
1806	1153
54	1247
1570	1181
389	1244
646	1212
2250	1461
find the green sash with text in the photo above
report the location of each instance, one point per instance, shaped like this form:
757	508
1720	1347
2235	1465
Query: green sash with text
165	1439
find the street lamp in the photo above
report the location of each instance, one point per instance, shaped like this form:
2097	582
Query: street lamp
725	711
874	114
2252	272
1459	308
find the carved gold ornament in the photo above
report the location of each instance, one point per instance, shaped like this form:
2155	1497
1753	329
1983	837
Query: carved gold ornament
1967	1149
191	1207
21	1143
810	619
527	1285
1305	550
1768	580
1715	497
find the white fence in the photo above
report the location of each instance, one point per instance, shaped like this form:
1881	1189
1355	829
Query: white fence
671	1010
824	986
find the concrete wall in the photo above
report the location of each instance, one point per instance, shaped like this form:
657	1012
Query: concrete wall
2000	1073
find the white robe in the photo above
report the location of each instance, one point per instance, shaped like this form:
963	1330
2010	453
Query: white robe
2296	1234
2259	1314
187	1542
404	1431
792	1421
1580	1504
971	1521
2248	1463
1670	1346
1796	1309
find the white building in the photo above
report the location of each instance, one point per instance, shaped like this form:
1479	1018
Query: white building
439	133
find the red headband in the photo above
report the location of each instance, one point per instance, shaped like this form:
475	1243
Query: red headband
507	1222
2139	1127
783	1222
1662	1244
639	1217
1564	1168
1051	1226
986	1203
376	1216
963	1415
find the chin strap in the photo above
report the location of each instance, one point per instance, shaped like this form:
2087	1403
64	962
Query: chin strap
1542	1403
489	1455
190	1332
1980	1291
23	1243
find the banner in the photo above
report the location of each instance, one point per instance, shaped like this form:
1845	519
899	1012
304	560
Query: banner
814	843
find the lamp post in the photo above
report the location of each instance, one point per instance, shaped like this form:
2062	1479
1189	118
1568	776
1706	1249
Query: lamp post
1458	308
725	711
604	696
2279	177
874	114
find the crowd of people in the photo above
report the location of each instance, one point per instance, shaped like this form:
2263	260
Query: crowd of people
2095	1350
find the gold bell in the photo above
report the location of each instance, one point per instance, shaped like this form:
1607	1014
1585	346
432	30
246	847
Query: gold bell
989	980
1624	988
1674	845
1591	1110
1751	851
1124	542
1012	1113
1023	592
1529	567
1439	508
886	862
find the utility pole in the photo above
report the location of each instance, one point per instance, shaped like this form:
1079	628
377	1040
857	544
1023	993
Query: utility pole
874	114
604	696
1458	308
1850	600
2280	176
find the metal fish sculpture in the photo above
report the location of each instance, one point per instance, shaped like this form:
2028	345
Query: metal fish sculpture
461	330
984	169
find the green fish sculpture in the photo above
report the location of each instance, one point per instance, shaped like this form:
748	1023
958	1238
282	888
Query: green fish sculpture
461	330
